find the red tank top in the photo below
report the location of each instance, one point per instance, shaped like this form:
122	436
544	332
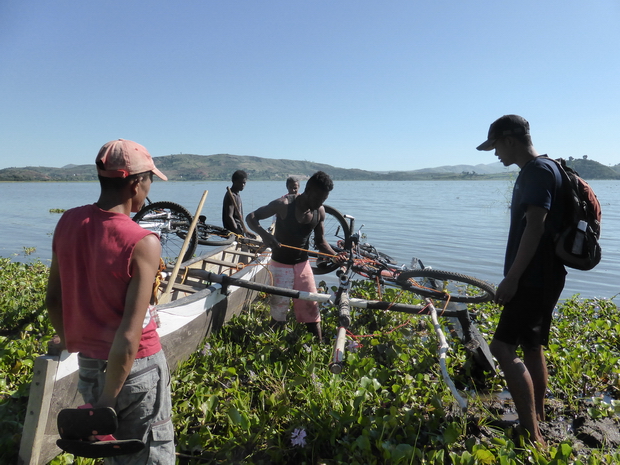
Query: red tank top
93	248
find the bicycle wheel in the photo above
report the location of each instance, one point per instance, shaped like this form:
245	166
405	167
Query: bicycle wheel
444	285
171	221
336	231
209	234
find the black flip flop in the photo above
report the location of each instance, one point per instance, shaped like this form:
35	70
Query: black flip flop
81	423
99	449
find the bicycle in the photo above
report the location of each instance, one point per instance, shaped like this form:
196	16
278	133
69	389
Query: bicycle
336	230
471	338
366	261
369	263
171	222
209	234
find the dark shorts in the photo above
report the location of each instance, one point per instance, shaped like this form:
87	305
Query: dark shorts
526	319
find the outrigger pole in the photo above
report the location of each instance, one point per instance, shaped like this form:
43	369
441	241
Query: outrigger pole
318	297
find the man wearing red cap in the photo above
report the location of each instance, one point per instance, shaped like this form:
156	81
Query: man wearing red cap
100	286
533	275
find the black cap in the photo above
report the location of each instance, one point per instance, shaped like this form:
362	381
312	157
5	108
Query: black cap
507	125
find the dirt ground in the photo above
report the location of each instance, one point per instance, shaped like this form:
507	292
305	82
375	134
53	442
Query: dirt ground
562	424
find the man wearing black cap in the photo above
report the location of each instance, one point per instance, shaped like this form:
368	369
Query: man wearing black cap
533	276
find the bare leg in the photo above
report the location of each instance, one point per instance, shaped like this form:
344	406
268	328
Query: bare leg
315	328
536	364
520	386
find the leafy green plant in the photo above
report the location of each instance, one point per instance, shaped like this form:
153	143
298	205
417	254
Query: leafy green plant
258	396
24	332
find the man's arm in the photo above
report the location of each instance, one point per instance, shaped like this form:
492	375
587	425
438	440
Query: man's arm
319	235
253	220
53	301
144	264
534	229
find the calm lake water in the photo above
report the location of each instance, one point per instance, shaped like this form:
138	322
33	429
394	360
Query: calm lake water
449	225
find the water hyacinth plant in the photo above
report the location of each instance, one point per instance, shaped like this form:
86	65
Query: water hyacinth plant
258	396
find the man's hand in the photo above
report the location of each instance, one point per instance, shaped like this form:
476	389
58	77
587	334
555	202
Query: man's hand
341	258
270	241
55	346
506	291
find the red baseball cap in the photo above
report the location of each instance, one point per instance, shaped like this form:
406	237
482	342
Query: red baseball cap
121	158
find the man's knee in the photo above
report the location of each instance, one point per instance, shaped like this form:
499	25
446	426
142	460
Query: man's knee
502	351
533	352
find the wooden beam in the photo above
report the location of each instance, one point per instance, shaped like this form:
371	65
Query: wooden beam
41	390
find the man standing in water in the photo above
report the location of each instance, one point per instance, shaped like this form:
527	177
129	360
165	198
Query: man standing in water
100	285
533	275
297	216
232	207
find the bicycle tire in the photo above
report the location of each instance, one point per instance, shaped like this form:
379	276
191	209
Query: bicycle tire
456	287
171	221
335	229
209	234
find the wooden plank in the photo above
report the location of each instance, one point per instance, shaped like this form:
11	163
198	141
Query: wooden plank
242	253
190	288
41	390
213	261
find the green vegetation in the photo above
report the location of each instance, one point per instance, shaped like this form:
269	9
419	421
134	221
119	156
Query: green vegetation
590	169
220	167
252	395
24	332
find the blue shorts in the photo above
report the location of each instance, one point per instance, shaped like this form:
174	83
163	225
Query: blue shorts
526	319
144	407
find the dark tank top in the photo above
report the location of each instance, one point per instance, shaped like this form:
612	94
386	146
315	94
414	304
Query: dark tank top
290	232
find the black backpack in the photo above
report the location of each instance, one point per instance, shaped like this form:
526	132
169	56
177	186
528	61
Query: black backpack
576	244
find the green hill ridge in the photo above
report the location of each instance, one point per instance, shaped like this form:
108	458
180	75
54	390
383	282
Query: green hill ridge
187	167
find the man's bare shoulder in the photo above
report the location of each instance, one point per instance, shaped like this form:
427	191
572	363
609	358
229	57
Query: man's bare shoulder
148	246
279	202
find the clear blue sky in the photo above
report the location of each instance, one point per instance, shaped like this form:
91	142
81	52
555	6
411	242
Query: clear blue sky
376	85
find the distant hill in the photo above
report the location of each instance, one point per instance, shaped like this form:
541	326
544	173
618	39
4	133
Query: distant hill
590	169
185	167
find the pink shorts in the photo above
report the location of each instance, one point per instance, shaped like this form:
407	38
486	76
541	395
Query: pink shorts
300	278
